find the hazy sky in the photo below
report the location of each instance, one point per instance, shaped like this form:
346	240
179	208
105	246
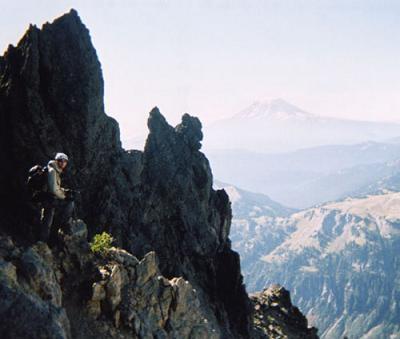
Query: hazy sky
213	58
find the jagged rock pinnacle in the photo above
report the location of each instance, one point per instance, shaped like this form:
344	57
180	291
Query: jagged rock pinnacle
190	129
156	121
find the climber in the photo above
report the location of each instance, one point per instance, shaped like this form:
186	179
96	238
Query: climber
58	200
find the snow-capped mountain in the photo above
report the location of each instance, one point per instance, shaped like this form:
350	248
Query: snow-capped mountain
339	260
273	109
275	125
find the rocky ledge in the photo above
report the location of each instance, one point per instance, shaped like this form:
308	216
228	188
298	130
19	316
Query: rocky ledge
69	292
276	317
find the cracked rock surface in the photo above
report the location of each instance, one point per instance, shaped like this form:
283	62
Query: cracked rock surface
114	295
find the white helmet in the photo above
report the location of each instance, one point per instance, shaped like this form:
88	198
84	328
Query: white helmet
61	156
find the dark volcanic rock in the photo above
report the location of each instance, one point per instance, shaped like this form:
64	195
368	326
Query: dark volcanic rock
51	99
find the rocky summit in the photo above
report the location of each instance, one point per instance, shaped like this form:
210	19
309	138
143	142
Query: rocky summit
276	317
172	272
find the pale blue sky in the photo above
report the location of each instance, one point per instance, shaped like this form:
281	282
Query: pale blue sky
213	58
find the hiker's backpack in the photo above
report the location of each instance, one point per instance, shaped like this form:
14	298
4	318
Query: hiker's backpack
37	180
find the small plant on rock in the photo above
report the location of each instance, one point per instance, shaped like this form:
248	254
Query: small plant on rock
101	243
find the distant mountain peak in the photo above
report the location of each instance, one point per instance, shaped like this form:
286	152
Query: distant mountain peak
274	108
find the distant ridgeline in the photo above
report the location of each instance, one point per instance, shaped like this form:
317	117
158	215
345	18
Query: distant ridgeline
340	259
158	204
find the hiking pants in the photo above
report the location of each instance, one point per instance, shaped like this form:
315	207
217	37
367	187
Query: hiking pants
63	211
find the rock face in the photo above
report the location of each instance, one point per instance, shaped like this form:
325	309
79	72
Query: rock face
30	294
104	297
276	317
340	260
51	98
157	201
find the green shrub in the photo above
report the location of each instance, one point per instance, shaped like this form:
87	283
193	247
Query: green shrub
101	243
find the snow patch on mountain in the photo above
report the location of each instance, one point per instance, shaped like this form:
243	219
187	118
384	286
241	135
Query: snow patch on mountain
276	109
